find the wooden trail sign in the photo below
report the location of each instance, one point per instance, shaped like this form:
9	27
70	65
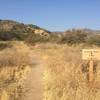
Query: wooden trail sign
91	55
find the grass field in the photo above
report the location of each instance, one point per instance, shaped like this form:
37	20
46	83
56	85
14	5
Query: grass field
66	74
14	66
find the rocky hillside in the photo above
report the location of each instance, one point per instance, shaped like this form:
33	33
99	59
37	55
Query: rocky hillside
12	29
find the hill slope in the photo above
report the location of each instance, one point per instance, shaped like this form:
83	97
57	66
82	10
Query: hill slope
11	30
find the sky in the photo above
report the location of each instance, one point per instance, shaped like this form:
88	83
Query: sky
54	15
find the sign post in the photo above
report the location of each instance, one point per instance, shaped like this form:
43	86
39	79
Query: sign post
91	55
91	76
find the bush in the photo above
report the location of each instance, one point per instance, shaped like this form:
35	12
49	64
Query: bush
12	35
74	38
6	36
93	40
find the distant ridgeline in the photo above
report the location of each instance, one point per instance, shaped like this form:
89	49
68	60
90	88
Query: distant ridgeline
12	30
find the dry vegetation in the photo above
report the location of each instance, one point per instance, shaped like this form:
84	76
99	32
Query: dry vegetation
65	75
14	66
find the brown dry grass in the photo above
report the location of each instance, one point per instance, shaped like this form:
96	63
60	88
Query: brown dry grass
14	65
65	76
65	73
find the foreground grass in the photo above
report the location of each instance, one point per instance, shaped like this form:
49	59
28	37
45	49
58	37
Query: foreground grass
14	66
65	75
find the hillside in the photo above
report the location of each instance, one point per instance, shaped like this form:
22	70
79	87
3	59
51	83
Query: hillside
11	30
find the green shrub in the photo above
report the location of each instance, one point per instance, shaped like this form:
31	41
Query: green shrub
74	38
11	35
93	40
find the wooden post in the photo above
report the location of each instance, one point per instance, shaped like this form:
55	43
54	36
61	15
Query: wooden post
91	55
91	71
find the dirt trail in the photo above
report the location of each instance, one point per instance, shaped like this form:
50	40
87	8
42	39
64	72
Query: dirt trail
33	84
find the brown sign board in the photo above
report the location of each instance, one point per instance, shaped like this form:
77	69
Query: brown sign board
91	54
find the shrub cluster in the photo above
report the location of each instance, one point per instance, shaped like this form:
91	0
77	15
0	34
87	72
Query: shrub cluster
69	37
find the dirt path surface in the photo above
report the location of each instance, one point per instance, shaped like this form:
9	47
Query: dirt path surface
33	83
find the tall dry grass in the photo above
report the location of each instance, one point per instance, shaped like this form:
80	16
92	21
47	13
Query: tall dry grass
65	73
14	66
